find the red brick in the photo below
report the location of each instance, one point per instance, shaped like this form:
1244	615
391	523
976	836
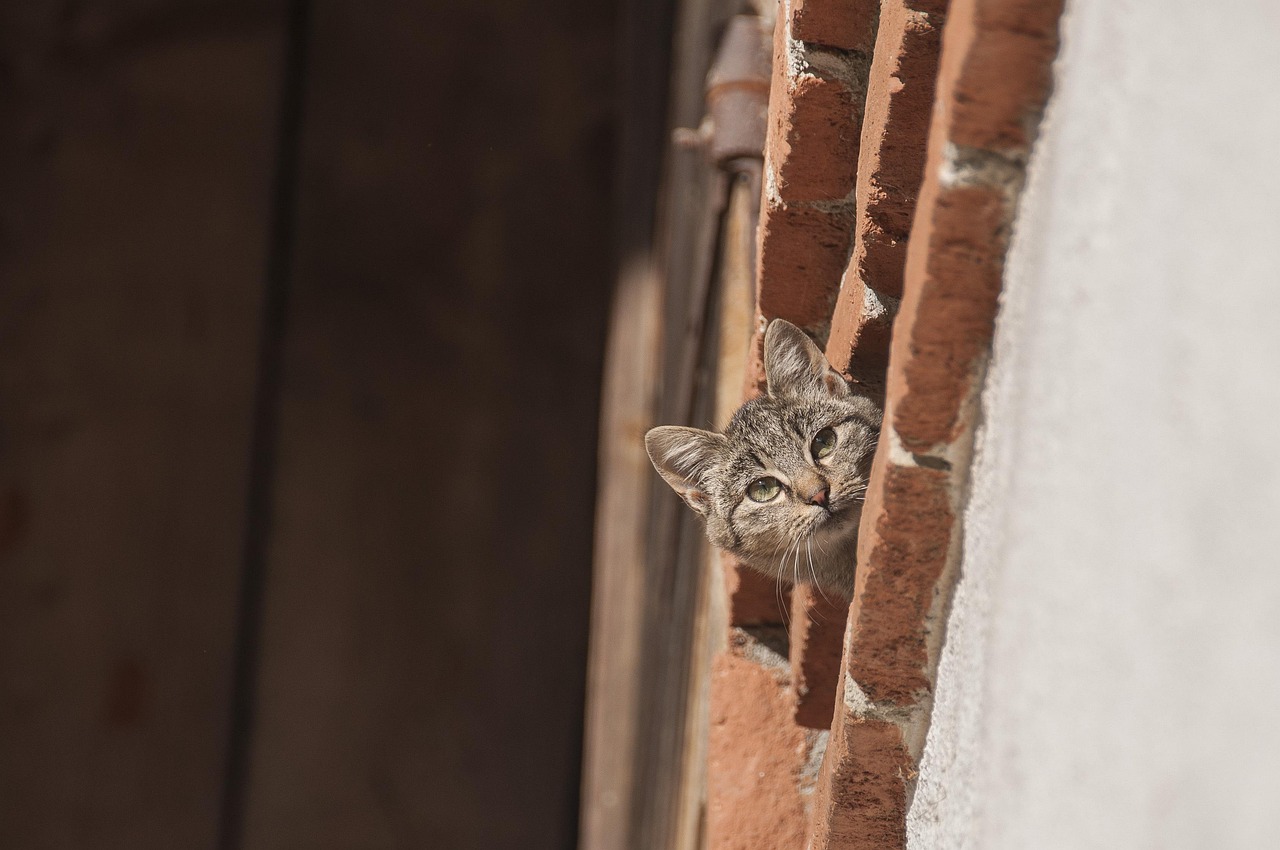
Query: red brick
902	549
900	92
861	797
859	342
754	599
961	239
756	756
816	99
994	82
802	255
817	641
845	24
899	107
813	137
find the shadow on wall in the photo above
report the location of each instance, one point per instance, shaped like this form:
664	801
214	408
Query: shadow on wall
426	457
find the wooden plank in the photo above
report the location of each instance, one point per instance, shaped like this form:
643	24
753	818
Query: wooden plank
135	178
615	697
421	682
734	316
628	407
636	771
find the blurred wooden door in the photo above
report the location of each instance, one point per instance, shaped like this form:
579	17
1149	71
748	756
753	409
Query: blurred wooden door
135	201
301	317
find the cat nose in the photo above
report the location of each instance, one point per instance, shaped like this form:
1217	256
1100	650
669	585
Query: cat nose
819	497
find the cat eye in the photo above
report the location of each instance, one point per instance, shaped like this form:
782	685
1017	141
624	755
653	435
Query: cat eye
824	443
763	489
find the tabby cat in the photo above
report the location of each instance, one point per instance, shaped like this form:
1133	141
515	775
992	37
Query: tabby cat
782	487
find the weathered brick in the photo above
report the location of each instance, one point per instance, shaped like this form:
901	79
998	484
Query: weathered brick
817	641
899	106
756	753
816	99
802	255
900	92
861	331
902	549
813	137
951	312
861	798
993	84
754	599
845	24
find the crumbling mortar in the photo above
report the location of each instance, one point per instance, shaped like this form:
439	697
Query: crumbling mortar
889	711
764	646
839	205
906	716
772	188
851	67
954	454
816	744
876	306
918	17
964	166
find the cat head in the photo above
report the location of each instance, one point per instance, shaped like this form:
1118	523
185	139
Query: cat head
782	487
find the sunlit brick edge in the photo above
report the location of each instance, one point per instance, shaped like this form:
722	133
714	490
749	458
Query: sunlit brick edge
994	80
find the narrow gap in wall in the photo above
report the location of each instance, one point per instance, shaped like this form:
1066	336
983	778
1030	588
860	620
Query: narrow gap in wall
263	436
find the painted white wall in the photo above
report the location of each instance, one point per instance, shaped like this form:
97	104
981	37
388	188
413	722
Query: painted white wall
1111	676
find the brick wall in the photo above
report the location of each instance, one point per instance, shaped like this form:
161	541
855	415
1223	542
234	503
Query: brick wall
898	133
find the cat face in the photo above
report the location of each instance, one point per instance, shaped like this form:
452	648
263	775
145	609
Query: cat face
782	487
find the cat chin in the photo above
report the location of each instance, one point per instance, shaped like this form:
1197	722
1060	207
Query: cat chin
833	544
840	527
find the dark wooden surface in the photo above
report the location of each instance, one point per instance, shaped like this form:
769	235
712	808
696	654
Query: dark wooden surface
641	790
419	672
427	586
135	174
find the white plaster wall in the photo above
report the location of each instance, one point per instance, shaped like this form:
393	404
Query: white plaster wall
1111	676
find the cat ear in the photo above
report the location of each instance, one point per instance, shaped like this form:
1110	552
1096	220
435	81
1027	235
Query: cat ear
795	366
682	457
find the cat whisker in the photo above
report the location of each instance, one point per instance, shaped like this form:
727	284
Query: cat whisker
782	608
825	598
808	547
795	567
778	548
777	593
809	550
